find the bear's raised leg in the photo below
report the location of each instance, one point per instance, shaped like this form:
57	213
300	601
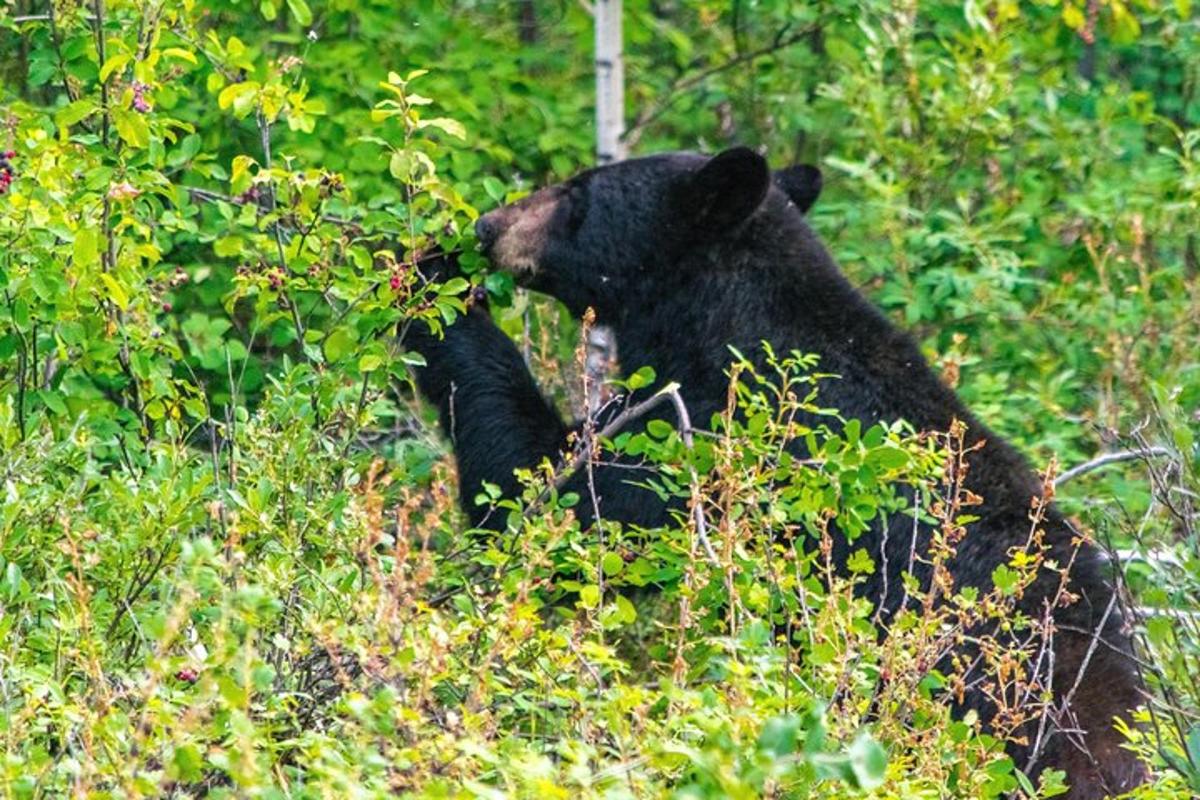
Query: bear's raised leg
489	405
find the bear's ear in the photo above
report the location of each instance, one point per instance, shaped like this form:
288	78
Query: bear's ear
802	183
726	190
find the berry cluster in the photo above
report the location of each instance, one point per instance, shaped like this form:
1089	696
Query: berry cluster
7	173
160	285
140	103
187	675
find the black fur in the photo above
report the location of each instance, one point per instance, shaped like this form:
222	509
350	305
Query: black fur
685	255
802	183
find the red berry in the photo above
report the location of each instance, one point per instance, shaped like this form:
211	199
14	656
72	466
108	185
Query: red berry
187	675
10	153
166	306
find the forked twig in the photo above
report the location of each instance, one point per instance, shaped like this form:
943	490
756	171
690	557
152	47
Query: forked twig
636	411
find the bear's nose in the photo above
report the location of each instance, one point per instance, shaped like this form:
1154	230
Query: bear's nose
487	230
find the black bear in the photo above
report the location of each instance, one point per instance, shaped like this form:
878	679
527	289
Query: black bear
684	255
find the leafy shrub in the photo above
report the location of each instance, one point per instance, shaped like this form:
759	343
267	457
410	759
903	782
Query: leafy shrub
229	558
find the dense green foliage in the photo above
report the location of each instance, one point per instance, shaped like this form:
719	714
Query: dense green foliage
229	557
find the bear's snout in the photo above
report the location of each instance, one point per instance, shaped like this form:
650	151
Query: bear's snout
487	230
515	237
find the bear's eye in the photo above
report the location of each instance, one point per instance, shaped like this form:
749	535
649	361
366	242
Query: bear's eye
577	207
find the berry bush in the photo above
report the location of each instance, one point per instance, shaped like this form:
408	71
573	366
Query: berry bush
231	563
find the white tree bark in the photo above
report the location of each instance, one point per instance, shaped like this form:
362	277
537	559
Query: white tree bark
610	146
610	83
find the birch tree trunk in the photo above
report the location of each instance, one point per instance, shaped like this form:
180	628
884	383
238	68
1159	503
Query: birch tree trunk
610	83
610	146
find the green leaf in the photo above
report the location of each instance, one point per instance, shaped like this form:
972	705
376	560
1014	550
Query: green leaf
339	344
625	612
239	177
780	736
494	188
868	761
499	286
643	377
116	292
589	596
450	126
20	313
85	251
1185	440
114	63
181	54
131	127
860	563
238	96
454	286
53	401
1025	783
1005	579
1072	17
888	458
612	564
187	763
75	112
1126	28
1193	744
659	429
300	11
228	246
400	166
12	580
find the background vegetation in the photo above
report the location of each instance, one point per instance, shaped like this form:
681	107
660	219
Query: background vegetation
229	559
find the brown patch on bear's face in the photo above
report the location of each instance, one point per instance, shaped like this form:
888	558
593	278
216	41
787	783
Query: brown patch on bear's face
514	237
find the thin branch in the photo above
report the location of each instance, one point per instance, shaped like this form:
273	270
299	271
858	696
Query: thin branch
584	453
782	41
1091	651
615	425
1111	458
216	197
685	431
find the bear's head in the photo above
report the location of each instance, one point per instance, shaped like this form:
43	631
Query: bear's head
607	231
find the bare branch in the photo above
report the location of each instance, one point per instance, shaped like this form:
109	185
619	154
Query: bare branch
781	41
617	423
685	431
216	197
1110	458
